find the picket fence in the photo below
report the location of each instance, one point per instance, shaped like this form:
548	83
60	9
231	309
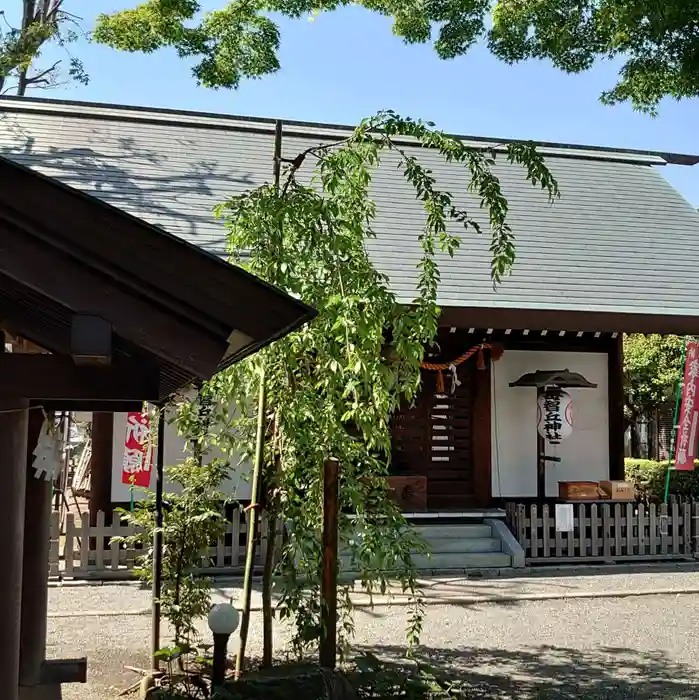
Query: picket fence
84	551
607	532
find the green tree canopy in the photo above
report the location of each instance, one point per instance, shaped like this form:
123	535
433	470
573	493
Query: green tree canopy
240	40
652	369
657	39
39	22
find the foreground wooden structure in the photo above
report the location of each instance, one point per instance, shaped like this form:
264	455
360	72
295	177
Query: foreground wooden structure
85	551
123	314
607	532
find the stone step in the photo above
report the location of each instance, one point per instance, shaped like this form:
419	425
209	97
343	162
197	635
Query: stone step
453	532
477	560
466	545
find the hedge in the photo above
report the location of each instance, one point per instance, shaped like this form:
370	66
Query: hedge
648	477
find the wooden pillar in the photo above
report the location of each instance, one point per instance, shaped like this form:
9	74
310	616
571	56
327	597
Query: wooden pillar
615	397
37	524
101	466
13	467
328	584
481	436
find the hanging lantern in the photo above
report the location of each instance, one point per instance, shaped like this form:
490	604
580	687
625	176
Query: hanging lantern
554	415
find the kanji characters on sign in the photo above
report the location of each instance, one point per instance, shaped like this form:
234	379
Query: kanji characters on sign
686	447
136	467
554	418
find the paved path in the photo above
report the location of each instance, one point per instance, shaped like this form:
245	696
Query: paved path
512	645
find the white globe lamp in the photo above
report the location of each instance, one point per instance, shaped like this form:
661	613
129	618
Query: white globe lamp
223	620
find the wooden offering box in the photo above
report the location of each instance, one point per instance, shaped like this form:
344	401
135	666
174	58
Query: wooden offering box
617	490
578	490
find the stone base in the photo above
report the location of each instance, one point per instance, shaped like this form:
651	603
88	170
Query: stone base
40	692
301	681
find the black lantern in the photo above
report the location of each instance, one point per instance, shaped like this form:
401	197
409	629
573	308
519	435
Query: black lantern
549	387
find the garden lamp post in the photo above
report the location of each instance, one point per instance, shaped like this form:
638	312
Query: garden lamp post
223	621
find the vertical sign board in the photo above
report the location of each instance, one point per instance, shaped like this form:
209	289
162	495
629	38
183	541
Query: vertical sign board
687	426
136	468
565	518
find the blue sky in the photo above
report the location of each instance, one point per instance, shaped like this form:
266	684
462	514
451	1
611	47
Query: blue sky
347	65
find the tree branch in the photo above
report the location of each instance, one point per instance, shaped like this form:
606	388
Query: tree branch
41	77
297	162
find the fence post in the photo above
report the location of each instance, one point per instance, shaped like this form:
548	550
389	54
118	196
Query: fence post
68	551
630	547
521	529
510	516
54	546
675	528
641	529
582	530
115	547
235	537
99	535
594	530
607	531
546	530
687	529
653	528
534	530
664	528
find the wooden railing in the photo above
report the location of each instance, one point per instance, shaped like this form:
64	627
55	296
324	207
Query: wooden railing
607	532
84	551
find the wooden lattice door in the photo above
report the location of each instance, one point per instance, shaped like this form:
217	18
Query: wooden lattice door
434	438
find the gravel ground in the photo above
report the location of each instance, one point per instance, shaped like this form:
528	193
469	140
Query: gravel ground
611	648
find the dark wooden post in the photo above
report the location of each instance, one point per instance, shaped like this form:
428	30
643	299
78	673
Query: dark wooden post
158	541
328	587
101	466
13	467
615	397
37	524
481	437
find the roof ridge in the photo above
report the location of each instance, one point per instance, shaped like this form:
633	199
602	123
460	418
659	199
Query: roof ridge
195	119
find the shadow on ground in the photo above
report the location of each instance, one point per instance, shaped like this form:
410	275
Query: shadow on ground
551	673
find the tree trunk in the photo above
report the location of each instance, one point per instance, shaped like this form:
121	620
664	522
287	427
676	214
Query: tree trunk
252	526
635	448
267	578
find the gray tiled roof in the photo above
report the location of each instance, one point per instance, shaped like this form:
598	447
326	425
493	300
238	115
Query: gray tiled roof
620	238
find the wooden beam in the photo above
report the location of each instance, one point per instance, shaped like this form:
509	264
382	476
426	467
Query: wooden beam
88	405
555	343
587	321
615	398
66	280
56	377
101	466
61	671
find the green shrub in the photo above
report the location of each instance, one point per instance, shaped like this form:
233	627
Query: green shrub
648	477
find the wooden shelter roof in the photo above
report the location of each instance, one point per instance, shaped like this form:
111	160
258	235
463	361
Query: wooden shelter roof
173	307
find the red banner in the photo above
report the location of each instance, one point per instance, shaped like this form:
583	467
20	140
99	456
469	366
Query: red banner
135	469
688	424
